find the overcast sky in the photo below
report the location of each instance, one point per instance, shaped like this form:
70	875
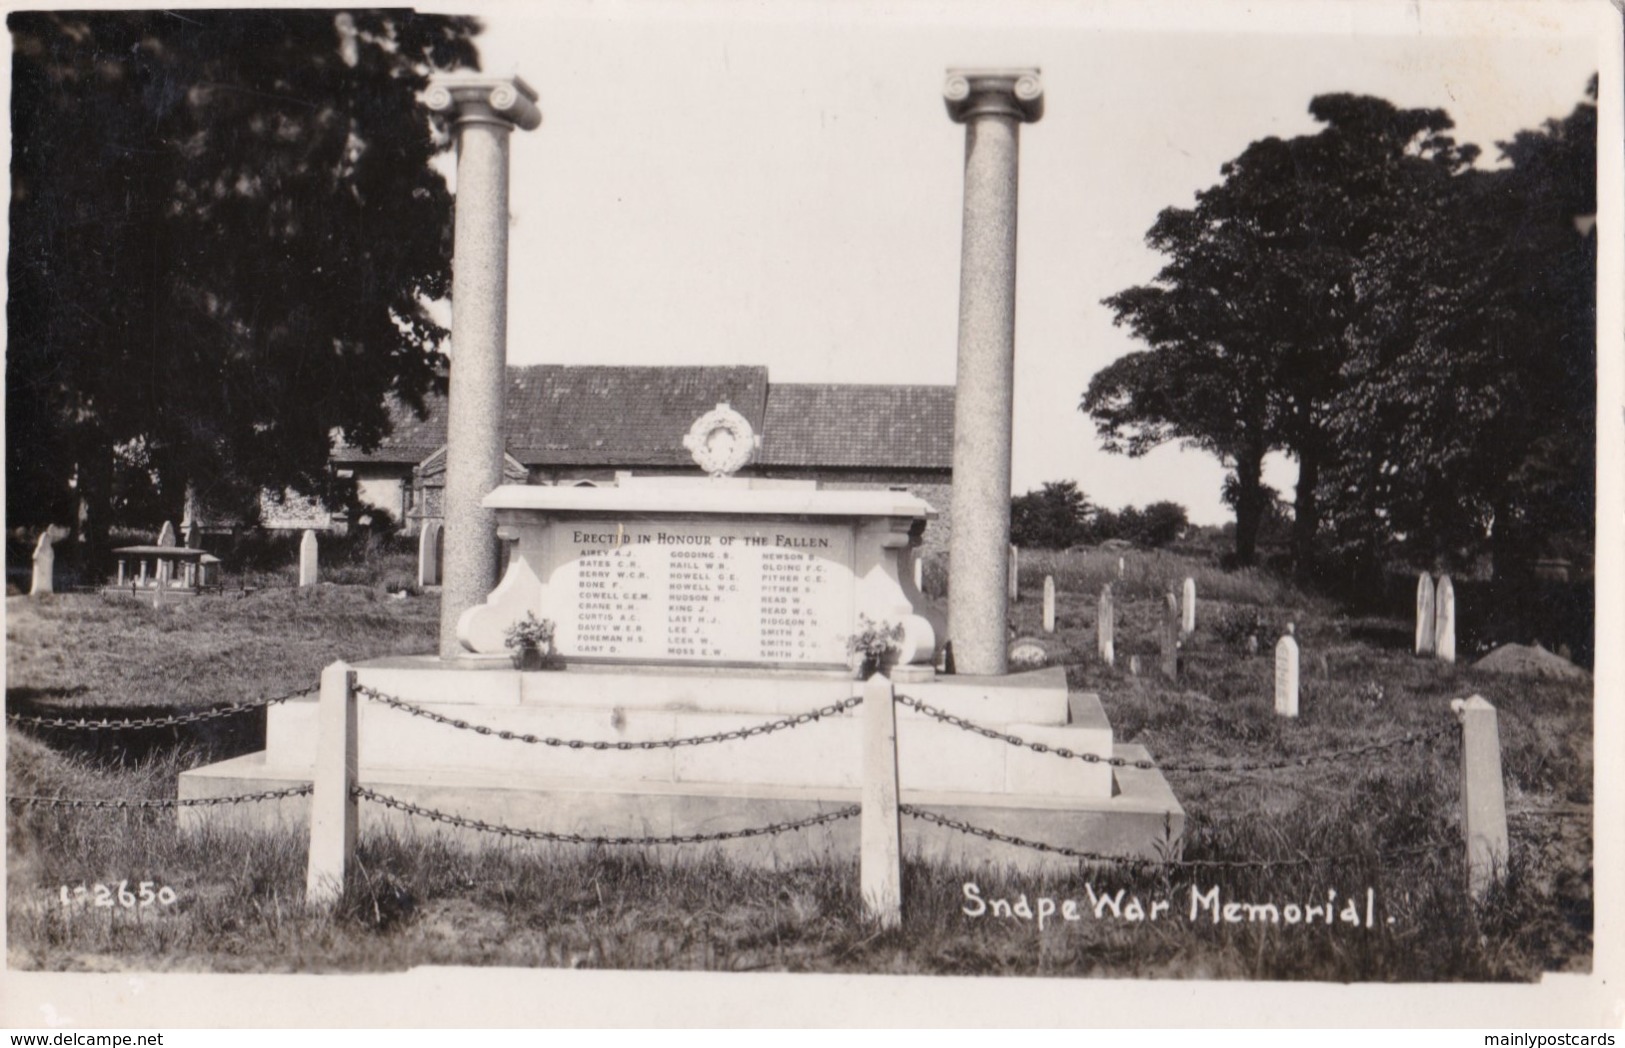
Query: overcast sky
779	184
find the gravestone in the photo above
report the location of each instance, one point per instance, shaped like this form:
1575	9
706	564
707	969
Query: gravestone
1105	626
1015	577
1119	567
429	552
1049	603
1169	637
307	559
1286	677
44	565
166	535
919	574
1187	622
1444	623
1424	614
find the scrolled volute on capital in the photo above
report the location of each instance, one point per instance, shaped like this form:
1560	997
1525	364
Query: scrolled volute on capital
1017	93
479	99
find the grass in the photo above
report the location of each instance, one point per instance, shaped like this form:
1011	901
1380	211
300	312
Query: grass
424	899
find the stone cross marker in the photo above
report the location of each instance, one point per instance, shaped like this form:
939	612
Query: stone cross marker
1444	629
1187	608
307	559
1424	614
1049	603
1105	626
1286	677
1169	636
44	565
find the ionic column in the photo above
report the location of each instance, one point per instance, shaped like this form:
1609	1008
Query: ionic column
992	104
482	111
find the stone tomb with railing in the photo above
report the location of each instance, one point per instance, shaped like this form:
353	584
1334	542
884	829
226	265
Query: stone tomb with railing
700	609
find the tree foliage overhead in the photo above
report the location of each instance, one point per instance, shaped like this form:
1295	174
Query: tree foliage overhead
1364	300
224	230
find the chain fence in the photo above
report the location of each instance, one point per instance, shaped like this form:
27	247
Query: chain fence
795	721
1324	757
170	721
161	802
500	830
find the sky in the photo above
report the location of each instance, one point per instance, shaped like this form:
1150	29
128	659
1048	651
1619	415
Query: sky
780	184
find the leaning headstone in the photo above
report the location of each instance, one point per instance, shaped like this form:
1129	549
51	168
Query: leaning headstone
1187	608
429	554
1424	614
1444	628
44	565
1169	637
307	559
1286	677
1015	579
1049	603
166	535
1105	626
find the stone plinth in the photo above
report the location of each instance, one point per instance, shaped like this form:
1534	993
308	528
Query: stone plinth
715	572
992	104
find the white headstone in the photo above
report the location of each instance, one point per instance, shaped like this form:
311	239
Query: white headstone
1015	578
44	565
1444	636
1286	677
166	535
307	559
1119	567
1049	603
1105	626
429	554
919	574
1187	608
1424	614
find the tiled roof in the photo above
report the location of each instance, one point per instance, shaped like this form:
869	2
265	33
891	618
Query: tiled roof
874	427
636	416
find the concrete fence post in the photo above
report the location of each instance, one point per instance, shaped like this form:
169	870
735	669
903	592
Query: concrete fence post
881	868
1483	794
332	804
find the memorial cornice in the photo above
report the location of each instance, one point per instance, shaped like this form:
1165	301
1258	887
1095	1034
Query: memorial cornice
1015	93
504	101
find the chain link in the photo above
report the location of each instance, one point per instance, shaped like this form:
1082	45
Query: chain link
162	802
172	721
1126	860
1409	739
578	838
584	744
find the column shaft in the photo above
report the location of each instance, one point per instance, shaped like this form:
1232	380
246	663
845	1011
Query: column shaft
474	418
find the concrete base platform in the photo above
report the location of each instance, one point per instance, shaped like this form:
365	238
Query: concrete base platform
1141	819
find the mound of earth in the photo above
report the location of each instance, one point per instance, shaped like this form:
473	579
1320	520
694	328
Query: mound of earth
1525	661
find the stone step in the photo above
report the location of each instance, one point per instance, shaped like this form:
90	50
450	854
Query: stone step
1139	818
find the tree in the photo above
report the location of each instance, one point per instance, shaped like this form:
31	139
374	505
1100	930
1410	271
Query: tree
224	233
1161	523
1054	517
1252	320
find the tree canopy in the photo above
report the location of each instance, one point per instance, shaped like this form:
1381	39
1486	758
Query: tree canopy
1363	299
224	232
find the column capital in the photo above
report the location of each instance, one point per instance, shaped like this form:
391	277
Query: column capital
1017	93
504	100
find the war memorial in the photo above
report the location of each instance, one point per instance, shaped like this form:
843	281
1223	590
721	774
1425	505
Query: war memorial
701	626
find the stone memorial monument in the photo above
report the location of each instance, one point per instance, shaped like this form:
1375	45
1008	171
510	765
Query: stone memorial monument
1424	614
309	560
1444	622
1286	677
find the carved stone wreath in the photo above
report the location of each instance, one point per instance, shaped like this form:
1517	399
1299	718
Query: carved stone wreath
721	441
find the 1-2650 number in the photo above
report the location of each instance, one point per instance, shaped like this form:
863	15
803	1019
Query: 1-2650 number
108	896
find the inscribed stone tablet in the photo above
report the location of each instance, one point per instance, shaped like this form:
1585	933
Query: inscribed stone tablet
701	592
